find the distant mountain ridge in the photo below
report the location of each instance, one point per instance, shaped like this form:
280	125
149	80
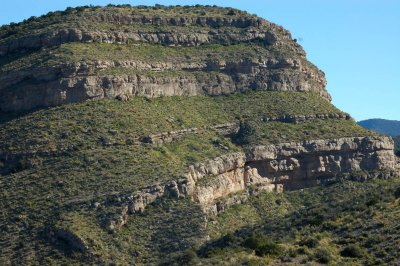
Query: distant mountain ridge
383	126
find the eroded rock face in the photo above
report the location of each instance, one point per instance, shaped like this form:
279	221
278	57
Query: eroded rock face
298	165
24	90
276	167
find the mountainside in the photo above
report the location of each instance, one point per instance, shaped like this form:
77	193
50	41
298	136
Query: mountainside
119	52
383	126
98	166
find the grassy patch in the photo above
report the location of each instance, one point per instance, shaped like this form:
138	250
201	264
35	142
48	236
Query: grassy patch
275	132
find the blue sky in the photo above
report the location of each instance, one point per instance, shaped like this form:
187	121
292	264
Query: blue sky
355	42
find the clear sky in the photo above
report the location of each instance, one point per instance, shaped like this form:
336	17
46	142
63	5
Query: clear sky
355	42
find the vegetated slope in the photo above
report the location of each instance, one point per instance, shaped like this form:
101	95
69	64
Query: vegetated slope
70	175
345	223
58	162
383	126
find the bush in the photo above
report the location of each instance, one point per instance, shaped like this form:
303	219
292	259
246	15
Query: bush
314	217
372	201
231	12
310	242
229	239
352	251
246	134
69	10
188	257
397	193
262	245
323	256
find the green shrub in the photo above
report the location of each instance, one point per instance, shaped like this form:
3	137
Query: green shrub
188	257
352	251
246	134
310	242
231	12
262	245
323	256
372	201
230	239
315	219
397	193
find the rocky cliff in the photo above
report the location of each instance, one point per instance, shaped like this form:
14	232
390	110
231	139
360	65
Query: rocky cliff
198	55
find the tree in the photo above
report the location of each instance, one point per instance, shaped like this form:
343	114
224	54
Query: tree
246	134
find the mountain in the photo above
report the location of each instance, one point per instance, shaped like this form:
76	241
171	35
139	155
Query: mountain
182	135
383	126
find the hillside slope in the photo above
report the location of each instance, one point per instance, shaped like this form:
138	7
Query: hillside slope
97	166
383	126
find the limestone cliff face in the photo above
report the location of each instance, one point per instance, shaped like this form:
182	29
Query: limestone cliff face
47	87
276	167
276	61
297	165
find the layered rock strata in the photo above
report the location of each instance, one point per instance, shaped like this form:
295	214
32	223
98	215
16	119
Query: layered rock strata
276	167
59	84
297	165
228	174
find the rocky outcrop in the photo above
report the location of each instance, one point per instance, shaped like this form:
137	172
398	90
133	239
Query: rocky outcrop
43	87
224	185
397	166
169	37
228	175
203	21
168	137
298	165
276	167
296	119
